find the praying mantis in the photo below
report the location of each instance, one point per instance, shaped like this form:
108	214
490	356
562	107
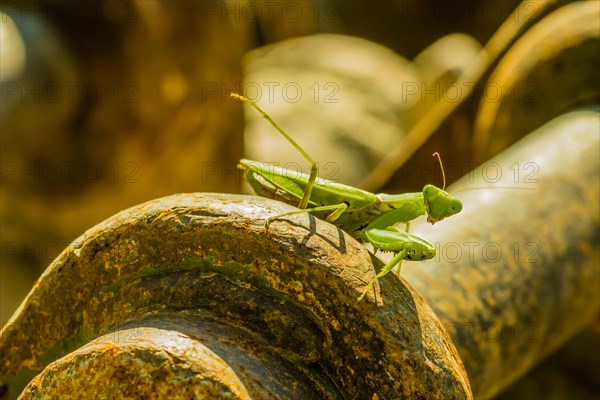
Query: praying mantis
365	216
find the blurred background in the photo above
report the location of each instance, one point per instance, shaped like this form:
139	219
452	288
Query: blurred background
109	104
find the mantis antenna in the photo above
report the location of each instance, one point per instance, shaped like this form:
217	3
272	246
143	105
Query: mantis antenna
493	187
436	154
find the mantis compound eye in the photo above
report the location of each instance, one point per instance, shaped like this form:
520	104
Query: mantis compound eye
455	206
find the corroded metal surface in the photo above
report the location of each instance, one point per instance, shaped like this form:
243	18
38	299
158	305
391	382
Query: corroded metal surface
517	272
170	356
189	293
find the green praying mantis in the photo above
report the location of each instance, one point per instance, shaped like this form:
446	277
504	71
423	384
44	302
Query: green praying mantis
365	216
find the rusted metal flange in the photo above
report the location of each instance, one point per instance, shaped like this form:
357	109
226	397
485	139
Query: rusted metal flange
190	294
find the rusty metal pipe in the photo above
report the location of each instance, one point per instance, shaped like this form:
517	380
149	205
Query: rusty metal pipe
283	301
518	270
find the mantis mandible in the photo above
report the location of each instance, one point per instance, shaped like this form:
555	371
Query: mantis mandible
366	216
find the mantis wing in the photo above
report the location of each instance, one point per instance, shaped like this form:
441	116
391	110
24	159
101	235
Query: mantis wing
289	185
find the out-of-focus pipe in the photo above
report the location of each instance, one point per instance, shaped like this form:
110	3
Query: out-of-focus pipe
517	271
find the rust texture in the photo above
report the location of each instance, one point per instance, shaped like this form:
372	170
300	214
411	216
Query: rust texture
517	271
189	294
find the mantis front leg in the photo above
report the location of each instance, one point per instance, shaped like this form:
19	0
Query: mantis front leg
387	268
407	247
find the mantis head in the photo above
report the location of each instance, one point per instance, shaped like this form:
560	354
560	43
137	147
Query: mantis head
439	204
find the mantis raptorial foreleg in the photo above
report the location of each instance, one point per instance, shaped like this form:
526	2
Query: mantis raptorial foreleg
407	246
384	271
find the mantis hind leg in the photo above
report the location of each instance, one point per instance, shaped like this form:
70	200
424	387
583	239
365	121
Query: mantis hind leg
313	165
386	269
